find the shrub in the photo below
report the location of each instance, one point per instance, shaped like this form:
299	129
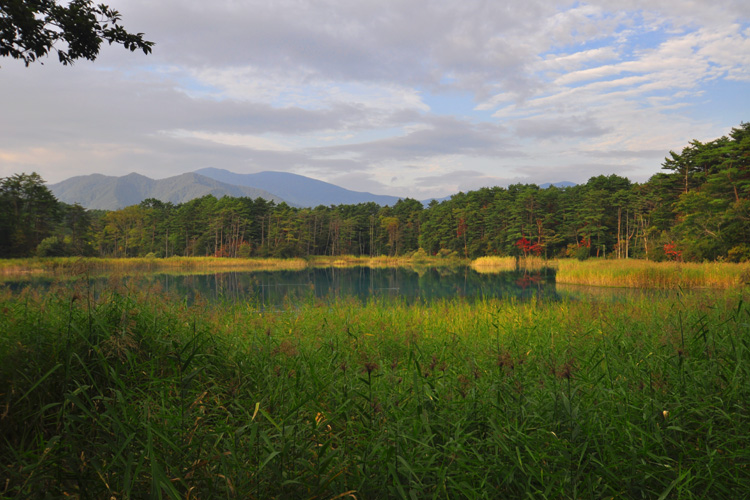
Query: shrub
582	253
740	253
419	255
51	247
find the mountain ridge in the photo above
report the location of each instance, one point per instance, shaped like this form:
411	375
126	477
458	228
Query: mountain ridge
561	184
297	189
104	192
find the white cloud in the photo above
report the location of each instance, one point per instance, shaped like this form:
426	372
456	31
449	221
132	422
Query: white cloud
352	90
240	140
570	62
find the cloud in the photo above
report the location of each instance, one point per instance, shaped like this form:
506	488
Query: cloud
437	137
558	128
577	60
284	89
622	154
241	140
353	91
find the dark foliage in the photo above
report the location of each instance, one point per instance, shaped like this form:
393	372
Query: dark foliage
31	29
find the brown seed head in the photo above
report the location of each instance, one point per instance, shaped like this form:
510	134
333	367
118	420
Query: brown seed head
370	366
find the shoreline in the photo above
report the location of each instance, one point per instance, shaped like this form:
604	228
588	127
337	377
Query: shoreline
629	273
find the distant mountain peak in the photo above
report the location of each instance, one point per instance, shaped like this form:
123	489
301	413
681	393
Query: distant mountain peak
134	175
104	192
98	191
297	189
561	184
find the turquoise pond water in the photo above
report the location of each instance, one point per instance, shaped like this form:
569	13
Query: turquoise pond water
274	290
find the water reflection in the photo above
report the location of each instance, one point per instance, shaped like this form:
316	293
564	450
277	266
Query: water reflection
282	289
279	289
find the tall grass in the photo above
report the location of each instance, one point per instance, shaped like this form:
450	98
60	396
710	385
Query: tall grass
498	264
416	260
646	274
630	273
75	265
595	272
136	395
66	266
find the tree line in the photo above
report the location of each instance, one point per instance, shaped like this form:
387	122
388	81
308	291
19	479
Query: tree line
697	208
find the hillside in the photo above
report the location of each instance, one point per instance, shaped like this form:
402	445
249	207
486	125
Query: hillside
563	184
104	192
111	193
298	189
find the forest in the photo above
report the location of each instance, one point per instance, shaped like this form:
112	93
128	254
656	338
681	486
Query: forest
696	209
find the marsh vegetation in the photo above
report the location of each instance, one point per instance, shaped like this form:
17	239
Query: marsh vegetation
135	393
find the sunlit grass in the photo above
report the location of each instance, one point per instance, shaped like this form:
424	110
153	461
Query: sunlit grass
59	266
135	394
645	274
383	261
593	272
629	273
498	264
77	265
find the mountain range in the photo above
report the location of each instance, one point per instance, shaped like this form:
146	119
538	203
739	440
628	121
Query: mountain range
563	184
97	191
111	193
297	189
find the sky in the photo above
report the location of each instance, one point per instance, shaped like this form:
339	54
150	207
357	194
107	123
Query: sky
409	98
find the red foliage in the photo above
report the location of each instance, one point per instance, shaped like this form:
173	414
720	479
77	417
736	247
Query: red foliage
670	249
461	227
527	280
527	247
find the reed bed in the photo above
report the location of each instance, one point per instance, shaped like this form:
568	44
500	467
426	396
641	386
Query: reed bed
136	395
382	261
646	274
629	273
594	272
77	265
66	266
499	264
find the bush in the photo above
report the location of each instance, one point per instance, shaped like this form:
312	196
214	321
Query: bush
582	253
740	253
419	255
51	247
244	251
444	253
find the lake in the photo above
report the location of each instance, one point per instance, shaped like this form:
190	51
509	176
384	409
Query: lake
275	290
282	289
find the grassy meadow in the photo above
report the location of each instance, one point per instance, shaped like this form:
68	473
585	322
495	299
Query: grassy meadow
134	394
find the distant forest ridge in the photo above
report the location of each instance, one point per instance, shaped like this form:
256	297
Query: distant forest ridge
697	208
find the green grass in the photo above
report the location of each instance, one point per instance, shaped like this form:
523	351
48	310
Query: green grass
135	395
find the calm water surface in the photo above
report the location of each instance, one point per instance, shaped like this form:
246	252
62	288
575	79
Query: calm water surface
283	289
273	290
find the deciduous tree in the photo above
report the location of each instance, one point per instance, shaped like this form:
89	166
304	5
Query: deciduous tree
31	29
